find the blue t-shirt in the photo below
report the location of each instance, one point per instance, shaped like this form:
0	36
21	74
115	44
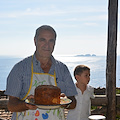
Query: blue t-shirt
18	81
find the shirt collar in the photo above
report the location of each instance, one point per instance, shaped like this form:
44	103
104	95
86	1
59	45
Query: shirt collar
37	62
87	89
35	59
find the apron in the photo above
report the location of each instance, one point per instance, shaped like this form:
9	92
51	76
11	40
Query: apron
40	114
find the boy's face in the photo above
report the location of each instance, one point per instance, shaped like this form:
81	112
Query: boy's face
84	77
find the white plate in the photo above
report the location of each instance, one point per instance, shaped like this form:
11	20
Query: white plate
62	102
48	106
96	117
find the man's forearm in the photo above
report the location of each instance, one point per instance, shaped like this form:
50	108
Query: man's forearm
16	105
73	104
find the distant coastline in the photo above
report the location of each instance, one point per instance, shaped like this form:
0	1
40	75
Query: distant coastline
86	55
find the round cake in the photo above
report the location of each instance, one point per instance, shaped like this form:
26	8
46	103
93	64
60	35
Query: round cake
47	95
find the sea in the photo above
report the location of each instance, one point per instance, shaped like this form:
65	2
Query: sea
97	66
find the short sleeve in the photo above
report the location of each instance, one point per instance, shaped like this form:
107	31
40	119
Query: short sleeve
64	80
92	92
14	82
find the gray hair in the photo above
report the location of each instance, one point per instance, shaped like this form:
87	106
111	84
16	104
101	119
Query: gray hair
44	27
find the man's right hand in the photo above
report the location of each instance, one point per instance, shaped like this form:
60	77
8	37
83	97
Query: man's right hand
17	105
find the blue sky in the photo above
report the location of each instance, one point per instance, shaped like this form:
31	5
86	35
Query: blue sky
81	26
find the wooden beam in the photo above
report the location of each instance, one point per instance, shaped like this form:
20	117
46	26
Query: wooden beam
111	59
99	100
3	103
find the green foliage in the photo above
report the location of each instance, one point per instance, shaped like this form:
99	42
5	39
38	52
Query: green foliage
117	91
117	117
93	107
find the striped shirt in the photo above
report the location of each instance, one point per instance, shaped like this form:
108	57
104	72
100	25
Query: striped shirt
18	80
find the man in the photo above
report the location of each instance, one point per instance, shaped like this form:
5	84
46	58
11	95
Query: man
39	69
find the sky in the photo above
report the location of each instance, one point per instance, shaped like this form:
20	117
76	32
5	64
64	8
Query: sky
81	26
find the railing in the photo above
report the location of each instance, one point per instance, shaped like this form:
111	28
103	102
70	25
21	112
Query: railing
100	102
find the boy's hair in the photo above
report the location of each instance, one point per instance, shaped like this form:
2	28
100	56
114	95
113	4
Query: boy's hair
80	68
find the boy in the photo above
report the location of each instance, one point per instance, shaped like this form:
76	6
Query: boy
85	92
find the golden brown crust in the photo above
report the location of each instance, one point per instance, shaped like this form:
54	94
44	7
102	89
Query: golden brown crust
47	95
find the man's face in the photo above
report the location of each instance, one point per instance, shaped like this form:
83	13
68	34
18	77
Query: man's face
45	43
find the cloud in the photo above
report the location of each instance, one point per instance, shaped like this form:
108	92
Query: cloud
91	24
30	12
52	10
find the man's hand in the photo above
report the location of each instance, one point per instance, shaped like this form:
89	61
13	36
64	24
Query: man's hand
29	106
72	105
17	105
62	95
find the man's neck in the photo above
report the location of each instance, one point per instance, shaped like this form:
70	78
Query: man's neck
45	62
